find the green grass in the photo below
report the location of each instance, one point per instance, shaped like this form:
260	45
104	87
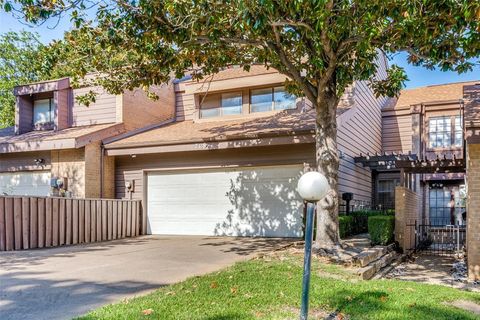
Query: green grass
269	288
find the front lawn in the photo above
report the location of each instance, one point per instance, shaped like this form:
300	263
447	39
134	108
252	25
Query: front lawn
269	288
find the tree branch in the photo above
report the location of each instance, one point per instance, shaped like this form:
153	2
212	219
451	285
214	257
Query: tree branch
293	71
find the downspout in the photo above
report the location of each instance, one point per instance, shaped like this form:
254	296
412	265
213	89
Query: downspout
102	151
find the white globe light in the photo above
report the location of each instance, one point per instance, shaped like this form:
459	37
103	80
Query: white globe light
313	186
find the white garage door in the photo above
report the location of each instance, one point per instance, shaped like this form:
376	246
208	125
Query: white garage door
259	201
31	183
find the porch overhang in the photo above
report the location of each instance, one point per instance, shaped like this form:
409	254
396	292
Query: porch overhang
205	145
410	163
70	138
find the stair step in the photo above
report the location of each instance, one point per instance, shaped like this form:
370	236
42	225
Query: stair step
373	267
384	271
372	254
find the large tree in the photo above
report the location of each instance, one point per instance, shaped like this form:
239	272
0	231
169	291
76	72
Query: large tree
18	64
323	46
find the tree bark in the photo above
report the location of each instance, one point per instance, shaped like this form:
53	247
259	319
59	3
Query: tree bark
327	235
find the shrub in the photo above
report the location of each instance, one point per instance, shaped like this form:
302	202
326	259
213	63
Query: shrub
360	223
381	229
345	226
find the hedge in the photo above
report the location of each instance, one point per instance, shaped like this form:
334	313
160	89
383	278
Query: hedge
381	229
357	222
345	225
360	223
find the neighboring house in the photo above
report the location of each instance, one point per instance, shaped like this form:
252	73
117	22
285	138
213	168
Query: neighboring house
431	159
426	122
55	145
229	162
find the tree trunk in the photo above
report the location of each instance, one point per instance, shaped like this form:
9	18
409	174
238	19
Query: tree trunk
327	236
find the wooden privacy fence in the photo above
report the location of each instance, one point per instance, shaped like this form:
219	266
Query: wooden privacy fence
38	222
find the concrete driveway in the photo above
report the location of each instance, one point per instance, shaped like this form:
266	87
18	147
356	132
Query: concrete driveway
60	283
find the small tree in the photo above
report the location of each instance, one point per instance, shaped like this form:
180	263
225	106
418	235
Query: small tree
323	46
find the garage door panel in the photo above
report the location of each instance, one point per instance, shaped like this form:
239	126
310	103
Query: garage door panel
26	183
258	201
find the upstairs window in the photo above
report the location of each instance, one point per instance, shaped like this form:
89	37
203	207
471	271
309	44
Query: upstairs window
221	105
445	132
43	113
458	142
270	99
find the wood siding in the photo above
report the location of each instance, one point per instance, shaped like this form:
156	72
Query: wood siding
185	104
103	110
23	114
24	161
359	131
397	131
62	102
38	222
132	169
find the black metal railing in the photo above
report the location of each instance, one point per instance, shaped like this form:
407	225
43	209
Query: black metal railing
435	237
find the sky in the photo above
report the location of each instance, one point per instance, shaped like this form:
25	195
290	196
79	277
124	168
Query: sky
418	76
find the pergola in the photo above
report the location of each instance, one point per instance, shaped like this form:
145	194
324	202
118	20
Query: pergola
409	164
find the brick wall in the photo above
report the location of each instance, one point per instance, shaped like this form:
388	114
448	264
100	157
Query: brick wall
108	177
93	170
82	169
70	164
473	211
471	96
407	209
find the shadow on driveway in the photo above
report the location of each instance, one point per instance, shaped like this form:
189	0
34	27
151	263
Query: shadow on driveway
60	283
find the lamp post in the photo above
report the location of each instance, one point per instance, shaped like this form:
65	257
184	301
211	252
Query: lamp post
312	187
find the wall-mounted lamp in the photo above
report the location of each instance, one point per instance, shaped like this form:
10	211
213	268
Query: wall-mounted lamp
39	161
133	155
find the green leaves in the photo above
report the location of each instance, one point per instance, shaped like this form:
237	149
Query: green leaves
317	44
392	84
23	59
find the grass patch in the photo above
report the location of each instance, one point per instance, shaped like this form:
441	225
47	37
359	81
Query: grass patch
269	288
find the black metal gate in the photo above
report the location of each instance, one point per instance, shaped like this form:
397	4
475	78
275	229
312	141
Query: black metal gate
438	239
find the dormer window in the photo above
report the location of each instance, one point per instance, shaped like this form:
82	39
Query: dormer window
43	114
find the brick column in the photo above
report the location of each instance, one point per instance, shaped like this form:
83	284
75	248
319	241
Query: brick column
471	96
473	211
93	170
406	213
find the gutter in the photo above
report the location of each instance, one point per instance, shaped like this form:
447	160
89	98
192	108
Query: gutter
212	140
102	169
136	131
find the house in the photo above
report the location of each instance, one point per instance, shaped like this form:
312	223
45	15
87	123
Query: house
223	156
229	161
428	170
427	122
55	146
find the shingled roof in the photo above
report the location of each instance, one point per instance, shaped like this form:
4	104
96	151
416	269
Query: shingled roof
283	123
443	92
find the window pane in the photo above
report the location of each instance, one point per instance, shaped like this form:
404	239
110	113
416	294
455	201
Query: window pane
41	111
458	123
439	132
261	100
209	113
458	139
283	100
231	103
458	131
